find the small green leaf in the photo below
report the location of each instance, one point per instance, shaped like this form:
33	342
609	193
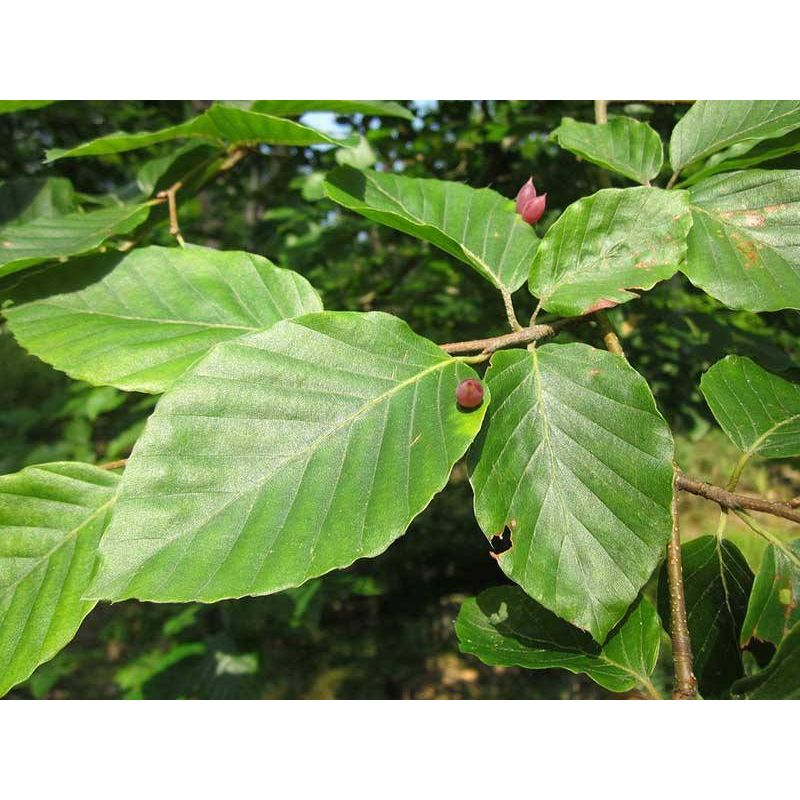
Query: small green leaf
295	108
220	124
476	226
51	518
138	321
744	247
45	239
24	199
576	462
780	680
717	583
712	125
606	244
775	600
622	145
361	156
504	627
283	455
759	411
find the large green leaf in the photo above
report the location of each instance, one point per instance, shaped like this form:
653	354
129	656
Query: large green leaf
45	239
576	462
477	226
744	246
504	627
51	518
717	583
622	145
759	411
24	199
283	455
712	125
295	108
775	600
606	244
221	123
138	321
780	680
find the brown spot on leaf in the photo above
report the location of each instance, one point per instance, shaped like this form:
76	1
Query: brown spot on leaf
6	243
594	372
774	209
600	305
748	249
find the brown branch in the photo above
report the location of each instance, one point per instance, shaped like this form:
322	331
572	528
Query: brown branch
726	499
610	338
169	194
685	684
533	333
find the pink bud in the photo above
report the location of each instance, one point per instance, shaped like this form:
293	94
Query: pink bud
529	206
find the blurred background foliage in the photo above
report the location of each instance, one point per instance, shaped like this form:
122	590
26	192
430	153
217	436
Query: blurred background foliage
382	629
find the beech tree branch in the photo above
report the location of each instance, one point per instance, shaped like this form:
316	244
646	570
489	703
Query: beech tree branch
533	333
685	683
731	500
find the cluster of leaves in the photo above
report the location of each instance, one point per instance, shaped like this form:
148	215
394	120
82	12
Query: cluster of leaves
289	441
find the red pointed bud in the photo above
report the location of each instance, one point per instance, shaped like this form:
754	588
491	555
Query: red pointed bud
530	206
525	194
533	210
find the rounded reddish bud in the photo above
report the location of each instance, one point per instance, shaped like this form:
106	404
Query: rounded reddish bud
530	206
469	393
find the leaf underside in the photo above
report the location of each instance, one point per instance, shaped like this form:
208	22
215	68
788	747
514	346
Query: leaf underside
138	321
51	519
283	455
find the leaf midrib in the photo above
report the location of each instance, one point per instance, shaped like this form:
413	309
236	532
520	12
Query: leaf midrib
71	534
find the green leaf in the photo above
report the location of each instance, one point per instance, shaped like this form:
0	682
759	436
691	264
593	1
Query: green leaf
608	243
45	239
361	156
775	600
476	226
25	199
161	173
221	124
51	518
622	145
12	106
295	108
712	125
781	678
138	321
744	246
576	462
717	583
504	627
746	154
283	455
759	411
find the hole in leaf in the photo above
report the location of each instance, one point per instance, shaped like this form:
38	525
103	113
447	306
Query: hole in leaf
501	543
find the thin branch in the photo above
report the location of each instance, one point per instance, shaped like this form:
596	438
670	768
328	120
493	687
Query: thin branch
174	228
510	313
725	499
610	338
532	333
685	684
671	181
